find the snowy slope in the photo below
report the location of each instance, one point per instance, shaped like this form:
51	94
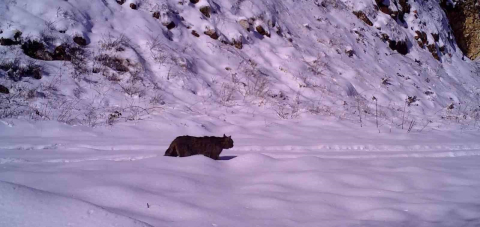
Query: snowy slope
314	57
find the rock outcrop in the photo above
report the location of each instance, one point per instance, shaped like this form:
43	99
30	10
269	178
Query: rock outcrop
464	19
362	16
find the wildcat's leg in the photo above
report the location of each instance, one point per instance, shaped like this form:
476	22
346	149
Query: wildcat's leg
216	153
181	151
171	151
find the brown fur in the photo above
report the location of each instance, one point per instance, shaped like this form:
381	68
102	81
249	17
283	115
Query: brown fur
209	146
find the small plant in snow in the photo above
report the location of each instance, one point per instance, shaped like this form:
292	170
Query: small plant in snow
113	117
157	99
155	43
289	110
376	109
110	42
226	94
91	116
256	84
132	90
349	51
386	81
318	67
411	125
411	99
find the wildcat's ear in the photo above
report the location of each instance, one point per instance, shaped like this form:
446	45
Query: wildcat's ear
224	135
230	137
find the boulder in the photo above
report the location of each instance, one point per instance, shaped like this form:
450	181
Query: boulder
262	31
244	23
8	42
421	38
195	33
170	25
400	46
4	90
212	33
36	50
206	11
433	50
80	40
237	43
60	54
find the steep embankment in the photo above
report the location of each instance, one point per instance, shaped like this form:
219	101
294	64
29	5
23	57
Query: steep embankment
96	62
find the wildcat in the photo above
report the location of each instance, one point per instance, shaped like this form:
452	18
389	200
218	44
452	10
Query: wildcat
209	146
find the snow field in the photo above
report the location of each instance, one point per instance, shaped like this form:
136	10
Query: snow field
330	174
24	206
252	189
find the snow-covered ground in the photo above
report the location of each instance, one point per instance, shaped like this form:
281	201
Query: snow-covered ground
332	125
282	174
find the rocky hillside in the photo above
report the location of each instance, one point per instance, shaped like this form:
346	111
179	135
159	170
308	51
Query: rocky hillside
98	62
464	17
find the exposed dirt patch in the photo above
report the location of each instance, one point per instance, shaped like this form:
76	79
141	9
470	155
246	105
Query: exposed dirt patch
361	15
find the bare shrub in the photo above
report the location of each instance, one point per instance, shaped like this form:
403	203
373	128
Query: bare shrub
257	83
135	112
386	81
165	56
12	67
318	109
113	62
361	108
318	67
257	86
155	43
113	117
110	42
411	125
132	90
112	77
33	69
92	116
78	58
66	110
287	111
78	91
14	104
157	99
136	73
46	36
226	93
411	99
16	70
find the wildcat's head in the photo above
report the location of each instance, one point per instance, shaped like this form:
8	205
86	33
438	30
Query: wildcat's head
227	142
